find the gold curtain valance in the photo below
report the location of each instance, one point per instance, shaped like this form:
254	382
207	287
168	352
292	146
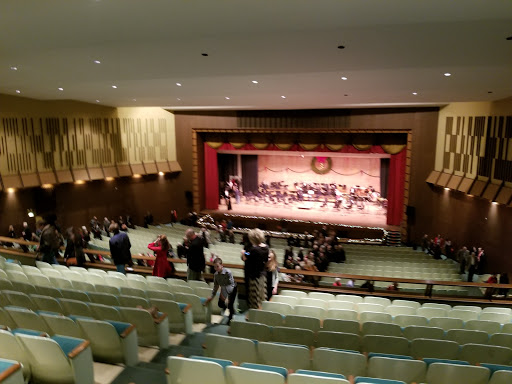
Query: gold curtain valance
214	144
393	149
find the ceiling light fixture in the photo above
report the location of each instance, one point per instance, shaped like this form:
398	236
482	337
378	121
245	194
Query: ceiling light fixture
47	186
114	86
447	74
79	182
344	78
137	176
495	203
161	173
109	178
11	190
341	47
134	99
30	213
178	99
97	62
283	97
13	68
60	89
18	91
447	189
415	93
227	98
255	82
204	54
178	84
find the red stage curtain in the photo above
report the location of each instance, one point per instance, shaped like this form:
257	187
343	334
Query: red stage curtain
396	183
396	187
211	178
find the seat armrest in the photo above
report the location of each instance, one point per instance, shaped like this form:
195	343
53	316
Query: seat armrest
82	346
187	308
160	318
9	371
127	331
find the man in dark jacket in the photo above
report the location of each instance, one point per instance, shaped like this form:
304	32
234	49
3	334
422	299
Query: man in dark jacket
120	248
195	255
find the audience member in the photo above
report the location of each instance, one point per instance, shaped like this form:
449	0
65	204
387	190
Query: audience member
195	255
224	279
51	240
120	248
272	274
74	253
106	226
504	280
160	247
255	259
95	228
337	282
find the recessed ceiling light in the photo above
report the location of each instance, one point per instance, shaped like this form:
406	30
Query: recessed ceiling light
114	86
495	203
109	178
178	84
13	68
344	78
60	89
178	99
227	98
97	101
255	82
97	62
489	91
134	99
161	173
447	189
341	47
11	190
509	38
283	97
18	91
204	54
415	93
447	74
345	94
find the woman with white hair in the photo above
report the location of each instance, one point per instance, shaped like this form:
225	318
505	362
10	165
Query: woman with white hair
255	258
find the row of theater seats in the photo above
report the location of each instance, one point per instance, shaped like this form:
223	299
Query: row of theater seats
11	372
80	284
44	359
288	302
271	357
419	347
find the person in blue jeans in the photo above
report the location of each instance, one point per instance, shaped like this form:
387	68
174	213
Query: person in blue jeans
120	248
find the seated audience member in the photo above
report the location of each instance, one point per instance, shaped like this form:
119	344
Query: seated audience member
224	279
493	279
337	282
393	287
95	228
504	280
368	284
11	234
350	283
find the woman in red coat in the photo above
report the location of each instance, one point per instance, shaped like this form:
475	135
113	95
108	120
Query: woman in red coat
161	248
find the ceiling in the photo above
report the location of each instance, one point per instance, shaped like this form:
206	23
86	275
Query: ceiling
290	47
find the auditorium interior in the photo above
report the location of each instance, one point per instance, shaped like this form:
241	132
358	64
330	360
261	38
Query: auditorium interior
370	141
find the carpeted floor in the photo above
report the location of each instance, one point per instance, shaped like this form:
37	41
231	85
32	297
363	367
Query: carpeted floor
154	372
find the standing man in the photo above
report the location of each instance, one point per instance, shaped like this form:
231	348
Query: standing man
196	262
120	248
50	241
223	278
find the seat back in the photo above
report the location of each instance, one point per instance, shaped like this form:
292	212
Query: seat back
20	299
339	304
293	301
483	325
353	298
104	312
183	370
74	294
501	377
446	323
375	317
437	349
370	307
338	340
409	371
407	303
407	320
386	344
242	375
133	301
471	308
321	296
266	317
346	326
27	319
130	291
298	336
501	339
306	322
377	300
161	295
47	303
336	361
315	378
441	373
305	310
248	330
465	336
104	298
75	307
462	314
200	312
281	308
502	318
385	329
282	355
479	353
419	332
289	292
236	349
62	325
429	312
342	314
395	310
11	349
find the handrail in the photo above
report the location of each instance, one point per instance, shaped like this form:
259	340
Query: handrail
429	283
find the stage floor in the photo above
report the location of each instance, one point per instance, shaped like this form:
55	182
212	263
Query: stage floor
370	216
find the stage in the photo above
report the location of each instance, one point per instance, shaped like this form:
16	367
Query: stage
369	223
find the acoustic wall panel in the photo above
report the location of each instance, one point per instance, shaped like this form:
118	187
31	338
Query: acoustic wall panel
432	178
110	172
478	188
454	182
491	191
137	169
64	176
96	174
30	180
150	168
163	166
47	178
443	179
465	185
504	195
